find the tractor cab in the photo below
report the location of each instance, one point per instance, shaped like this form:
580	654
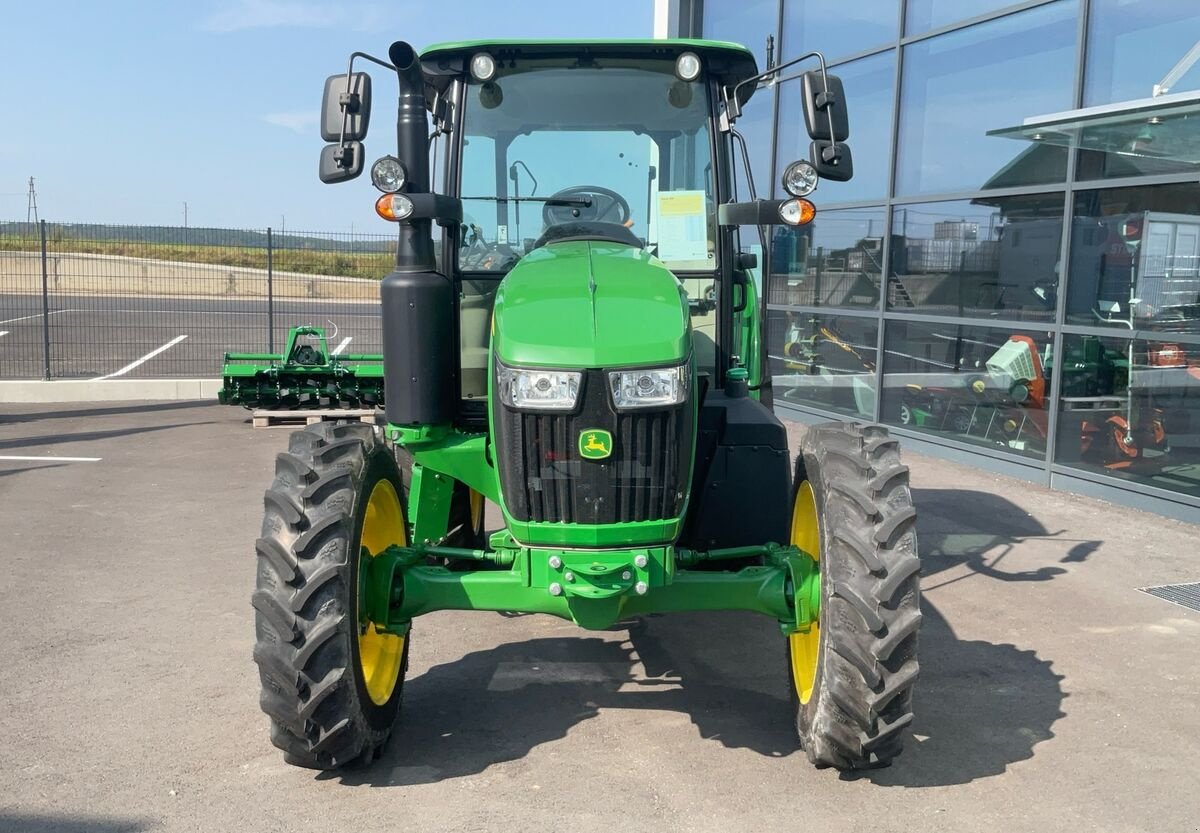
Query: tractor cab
543	149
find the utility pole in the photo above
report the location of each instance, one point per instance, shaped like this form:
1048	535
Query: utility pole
31	211
282	223
185	222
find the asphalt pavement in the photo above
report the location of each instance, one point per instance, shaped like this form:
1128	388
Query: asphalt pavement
126	336
1054	695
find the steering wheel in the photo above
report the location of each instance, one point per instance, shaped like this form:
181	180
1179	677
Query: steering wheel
607	206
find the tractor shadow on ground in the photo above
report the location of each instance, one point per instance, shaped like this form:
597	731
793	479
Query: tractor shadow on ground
980	706
979	530
30	823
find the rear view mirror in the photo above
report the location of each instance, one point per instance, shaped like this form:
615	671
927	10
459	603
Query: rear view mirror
340	163
825	103
346	102
832	160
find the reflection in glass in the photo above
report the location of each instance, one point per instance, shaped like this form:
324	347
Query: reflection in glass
755	128
869	84
960	85
971	384
1131	409
987	257
823	360
923	15
834	261
855	26
748	22
1145	143
1135	259
1133	44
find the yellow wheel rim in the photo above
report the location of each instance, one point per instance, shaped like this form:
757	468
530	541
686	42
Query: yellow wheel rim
477	505
803	647
380	654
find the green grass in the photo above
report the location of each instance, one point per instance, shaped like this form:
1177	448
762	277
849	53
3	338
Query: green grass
305	261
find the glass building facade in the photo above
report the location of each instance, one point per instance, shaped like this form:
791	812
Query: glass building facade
1013	274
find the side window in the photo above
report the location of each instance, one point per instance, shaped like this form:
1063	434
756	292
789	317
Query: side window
481	218
477	297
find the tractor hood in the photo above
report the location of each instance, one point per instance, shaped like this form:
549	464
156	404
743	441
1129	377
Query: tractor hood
586	303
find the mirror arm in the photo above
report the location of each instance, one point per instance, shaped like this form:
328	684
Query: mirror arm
349	101
731	95
733	108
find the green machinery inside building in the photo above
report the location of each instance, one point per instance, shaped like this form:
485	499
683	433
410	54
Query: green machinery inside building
573	332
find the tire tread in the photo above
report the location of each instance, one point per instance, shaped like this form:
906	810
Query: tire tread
862	701
303	619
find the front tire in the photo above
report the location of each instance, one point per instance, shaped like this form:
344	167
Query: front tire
331	688
852	674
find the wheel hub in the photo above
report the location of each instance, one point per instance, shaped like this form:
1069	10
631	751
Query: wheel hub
380	654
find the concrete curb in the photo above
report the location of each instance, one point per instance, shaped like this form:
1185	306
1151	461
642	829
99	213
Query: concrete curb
107	390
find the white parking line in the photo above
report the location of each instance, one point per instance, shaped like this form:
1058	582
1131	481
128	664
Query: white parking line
142	360
50	459
337	351
36	315
3	332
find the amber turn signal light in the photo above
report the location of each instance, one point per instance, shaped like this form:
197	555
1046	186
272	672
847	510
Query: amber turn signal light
394	207
797	212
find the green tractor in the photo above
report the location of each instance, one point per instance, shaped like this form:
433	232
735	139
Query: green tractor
573	331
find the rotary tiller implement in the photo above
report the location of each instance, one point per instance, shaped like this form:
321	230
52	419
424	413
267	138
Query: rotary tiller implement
306	375
588	356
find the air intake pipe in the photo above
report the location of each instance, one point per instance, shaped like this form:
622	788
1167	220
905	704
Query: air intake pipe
420	359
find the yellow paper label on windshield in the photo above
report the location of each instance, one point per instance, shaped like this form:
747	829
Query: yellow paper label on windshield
672	204
682	226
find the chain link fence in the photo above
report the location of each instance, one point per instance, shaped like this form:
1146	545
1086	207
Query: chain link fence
84	301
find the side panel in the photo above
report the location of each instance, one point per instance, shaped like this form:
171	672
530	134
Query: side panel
742	482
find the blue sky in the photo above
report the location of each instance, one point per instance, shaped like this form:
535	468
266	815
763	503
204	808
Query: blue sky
127	109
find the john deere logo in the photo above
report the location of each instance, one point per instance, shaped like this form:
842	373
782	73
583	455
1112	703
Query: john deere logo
595	444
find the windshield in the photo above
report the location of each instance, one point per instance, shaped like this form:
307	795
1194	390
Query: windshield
618	142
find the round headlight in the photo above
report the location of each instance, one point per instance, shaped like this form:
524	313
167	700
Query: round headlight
394	207
483	66
388	174
687	66
800	178
797	212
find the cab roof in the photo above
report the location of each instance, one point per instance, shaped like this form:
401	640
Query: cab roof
728	62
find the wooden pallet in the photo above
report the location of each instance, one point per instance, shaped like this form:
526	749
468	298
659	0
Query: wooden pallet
270	419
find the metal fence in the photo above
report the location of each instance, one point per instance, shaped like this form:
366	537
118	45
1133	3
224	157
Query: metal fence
82	301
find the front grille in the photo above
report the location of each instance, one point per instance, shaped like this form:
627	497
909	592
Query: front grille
545	479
